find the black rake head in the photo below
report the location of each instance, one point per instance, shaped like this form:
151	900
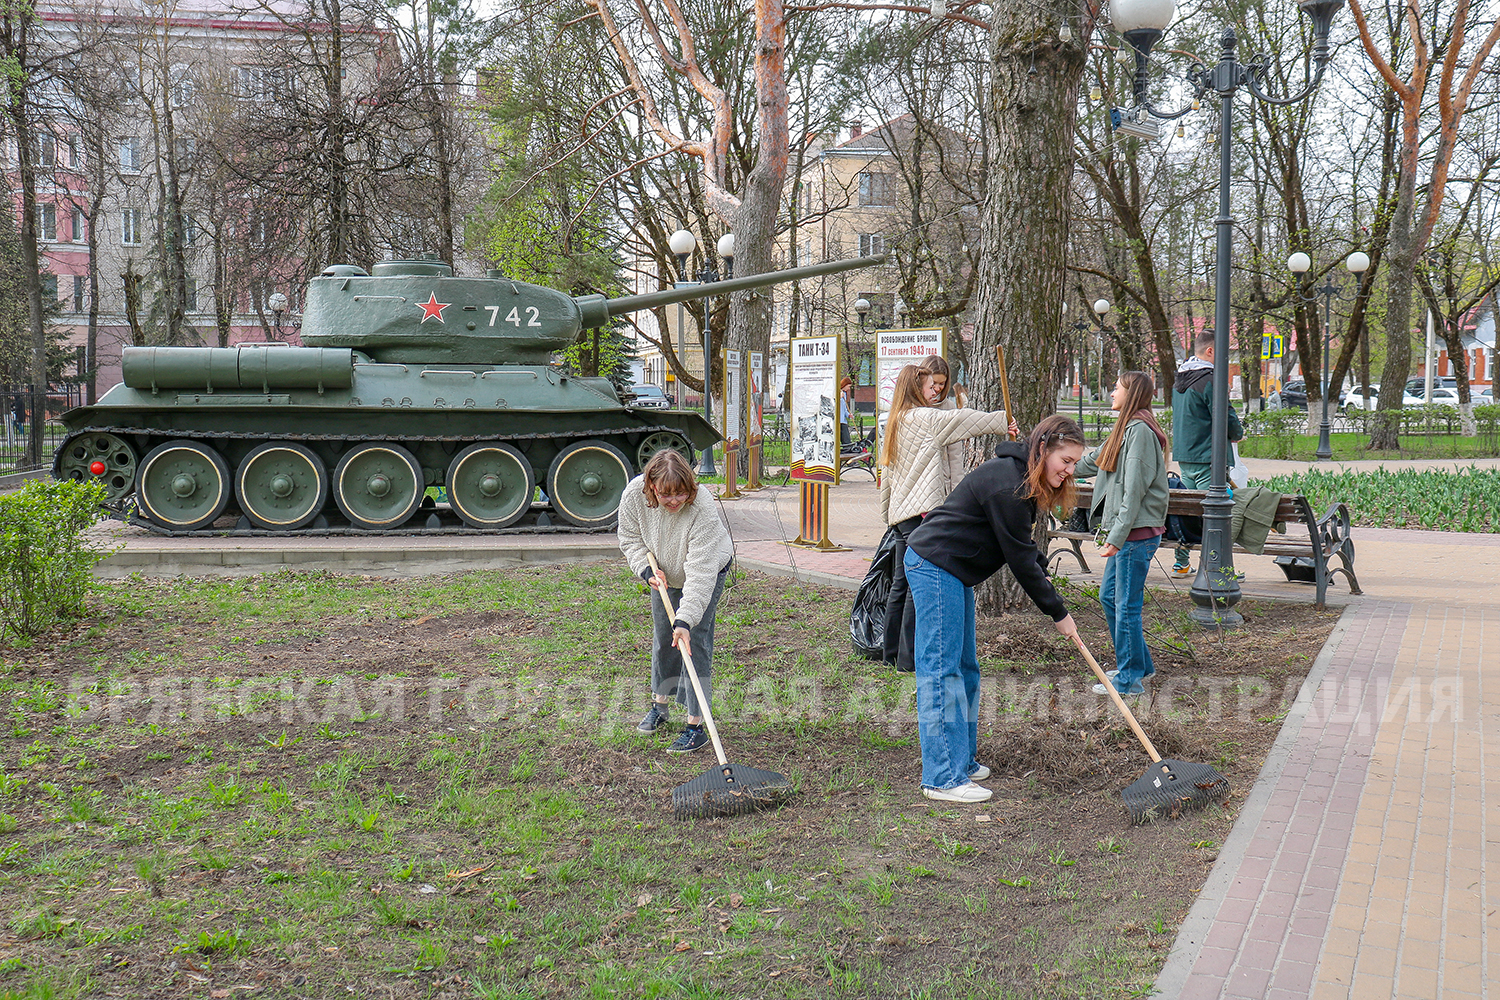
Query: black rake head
728	790
1171	786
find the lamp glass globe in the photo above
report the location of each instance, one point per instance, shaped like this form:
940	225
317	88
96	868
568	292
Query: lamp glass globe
681	242
1101	306
1129	15
862	306
1358	262
1299	262
726	245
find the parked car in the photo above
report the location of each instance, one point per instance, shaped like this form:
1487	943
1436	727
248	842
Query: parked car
1294	394
1485	398
650	397
1358	400
1417	386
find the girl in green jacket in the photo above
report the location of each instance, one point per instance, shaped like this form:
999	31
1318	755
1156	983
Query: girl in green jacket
1130	498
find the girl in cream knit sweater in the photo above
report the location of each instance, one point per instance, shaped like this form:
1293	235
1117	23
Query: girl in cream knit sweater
917	477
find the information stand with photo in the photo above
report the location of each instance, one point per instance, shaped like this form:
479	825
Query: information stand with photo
894	350
731	418
816	363
755	387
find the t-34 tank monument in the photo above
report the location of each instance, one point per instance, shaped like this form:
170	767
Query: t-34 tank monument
410	378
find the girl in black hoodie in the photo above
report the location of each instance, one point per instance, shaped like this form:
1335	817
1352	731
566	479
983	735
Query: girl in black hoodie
984	524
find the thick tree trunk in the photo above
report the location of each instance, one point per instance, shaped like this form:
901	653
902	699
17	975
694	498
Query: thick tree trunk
1029	120
19	110
1385	430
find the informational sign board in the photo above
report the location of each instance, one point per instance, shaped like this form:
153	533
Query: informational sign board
815	409
755	401
894	350
731	410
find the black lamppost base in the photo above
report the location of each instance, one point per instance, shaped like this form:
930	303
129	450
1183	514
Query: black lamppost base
1218	618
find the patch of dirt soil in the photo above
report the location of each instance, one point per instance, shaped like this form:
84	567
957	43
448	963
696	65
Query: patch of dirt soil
869	889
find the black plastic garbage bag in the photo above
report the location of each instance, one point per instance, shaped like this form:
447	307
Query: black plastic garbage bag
867	617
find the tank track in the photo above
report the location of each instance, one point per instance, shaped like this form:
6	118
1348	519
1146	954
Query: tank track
447	523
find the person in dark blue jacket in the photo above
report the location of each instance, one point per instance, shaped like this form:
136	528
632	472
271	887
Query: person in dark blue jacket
984	524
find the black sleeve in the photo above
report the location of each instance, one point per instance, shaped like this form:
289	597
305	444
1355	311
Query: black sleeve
1011	519
646	574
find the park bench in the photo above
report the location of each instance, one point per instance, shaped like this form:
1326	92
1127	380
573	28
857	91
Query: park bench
1303	560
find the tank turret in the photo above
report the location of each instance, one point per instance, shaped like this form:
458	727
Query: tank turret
407	311
411	379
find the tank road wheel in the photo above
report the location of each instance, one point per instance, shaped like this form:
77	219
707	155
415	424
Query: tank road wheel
101	458
661	441
281	486
183	485
585	483
378	485
490	485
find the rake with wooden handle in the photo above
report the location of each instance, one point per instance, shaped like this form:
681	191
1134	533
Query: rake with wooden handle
728	789
1168	786
1004	387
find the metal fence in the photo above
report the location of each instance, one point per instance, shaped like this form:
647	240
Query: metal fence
17	406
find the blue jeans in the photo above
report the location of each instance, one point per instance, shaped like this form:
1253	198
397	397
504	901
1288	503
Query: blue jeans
1121	593
947	673
668	673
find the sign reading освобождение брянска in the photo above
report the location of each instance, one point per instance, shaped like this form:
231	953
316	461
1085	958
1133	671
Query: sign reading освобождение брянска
894	350
814	409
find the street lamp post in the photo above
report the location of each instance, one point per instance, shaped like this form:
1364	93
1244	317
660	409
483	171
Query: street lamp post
681	243
1142	23
1101	309
1299	263
707	275
277	303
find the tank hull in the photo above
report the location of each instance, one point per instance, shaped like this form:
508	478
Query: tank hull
462	429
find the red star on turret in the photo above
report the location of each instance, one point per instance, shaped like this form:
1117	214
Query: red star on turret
432	308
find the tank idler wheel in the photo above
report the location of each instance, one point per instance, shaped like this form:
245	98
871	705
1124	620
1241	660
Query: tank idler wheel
490	485
183	485
378	485
99	458
281	486
661	441
585	483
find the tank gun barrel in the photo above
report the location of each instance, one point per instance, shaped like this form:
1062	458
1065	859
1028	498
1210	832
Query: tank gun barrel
597	309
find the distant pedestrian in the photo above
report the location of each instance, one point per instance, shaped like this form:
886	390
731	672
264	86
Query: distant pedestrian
18	414
846	390
665	512
1192	426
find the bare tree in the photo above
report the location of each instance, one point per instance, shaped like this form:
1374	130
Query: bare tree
1439	33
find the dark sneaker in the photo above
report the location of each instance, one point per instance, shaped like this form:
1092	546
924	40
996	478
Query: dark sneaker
654	718
692	738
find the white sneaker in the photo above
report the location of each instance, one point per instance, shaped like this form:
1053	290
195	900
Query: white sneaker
979	773
963	793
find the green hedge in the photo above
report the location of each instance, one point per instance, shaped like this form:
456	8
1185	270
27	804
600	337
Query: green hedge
46	561
1435	499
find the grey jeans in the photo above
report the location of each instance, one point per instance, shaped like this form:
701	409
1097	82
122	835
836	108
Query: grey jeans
667	675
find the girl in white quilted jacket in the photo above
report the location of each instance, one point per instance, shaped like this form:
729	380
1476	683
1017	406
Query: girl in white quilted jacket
916	477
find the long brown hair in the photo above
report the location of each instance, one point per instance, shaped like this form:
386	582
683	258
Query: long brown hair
668	472
935	364
1140	391
906	396
1046	437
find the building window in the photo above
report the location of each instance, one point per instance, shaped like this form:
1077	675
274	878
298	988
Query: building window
80	235
182	86
46	222
876	189
871	244
259	83
130	154
130	227
190	303
189	229
260	226
49	288
46	151
75	152
80	293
